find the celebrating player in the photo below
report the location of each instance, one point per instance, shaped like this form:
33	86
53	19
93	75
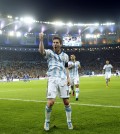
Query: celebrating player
58	78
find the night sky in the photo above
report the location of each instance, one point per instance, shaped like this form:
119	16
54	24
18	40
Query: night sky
76	11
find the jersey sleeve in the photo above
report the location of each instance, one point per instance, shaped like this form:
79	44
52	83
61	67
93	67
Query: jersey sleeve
79	63
47	53
66	58
104	67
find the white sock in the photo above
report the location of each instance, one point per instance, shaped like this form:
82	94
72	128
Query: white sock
68	113
77	92
47	113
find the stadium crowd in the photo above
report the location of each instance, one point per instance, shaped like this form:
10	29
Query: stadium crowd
16	63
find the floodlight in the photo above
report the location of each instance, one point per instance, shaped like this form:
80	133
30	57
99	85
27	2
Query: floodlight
16	27
42	29
18	34
58	23
29	29
28	20
69	24
1	25
11	33
9	16
0	31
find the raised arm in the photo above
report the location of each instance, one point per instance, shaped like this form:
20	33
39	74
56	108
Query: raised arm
41	44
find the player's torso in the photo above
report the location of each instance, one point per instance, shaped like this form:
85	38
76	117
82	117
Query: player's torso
56	64
74	70
108	68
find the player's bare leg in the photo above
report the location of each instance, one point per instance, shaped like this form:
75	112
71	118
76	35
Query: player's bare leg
73	92
107	80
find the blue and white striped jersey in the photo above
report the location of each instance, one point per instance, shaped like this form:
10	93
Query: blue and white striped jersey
107	68
56	63
74	70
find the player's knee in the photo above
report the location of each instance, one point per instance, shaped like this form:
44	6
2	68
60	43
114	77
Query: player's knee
77	86
66	102
50	103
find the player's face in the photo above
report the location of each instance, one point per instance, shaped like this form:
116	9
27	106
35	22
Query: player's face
107	62
56	45
72	57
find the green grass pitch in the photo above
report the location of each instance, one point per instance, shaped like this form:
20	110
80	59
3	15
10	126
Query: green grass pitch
22	106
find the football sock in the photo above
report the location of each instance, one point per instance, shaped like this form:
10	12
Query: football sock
47	113
68	112
77	92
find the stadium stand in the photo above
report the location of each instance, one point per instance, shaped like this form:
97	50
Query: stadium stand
19	47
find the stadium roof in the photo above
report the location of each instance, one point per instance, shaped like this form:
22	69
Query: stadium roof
29	24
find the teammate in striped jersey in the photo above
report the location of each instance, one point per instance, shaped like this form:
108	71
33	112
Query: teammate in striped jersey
107	70
73	66
58	78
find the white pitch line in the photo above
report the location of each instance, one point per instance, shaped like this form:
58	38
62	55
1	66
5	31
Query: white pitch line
8	91
90	105
15	90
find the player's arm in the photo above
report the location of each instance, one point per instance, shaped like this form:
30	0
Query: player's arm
41	44
79	66
70	66
103	71
67	72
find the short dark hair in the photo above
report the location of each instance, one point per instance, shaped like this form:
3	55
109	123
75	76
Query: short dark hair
58	38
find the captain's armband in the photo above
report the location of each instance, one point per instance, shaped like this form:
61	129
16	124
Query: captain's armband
66	64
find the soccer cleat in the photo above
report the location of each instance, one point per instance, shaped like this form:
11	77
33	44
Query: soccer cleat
46	126
70	126
76	99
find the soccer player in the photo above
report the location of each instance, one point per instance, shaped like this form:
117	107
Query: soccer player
58	78
8	77
107	70
117	73
73	66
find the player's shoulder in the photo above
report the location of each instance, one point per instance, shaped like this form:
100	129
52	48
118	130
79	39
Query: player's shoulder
70	61
64	54
78	61
49	50
111	65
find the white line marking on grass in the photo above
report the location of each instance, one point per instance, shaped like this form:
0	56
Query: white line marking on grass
15	90
7	91
90	105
